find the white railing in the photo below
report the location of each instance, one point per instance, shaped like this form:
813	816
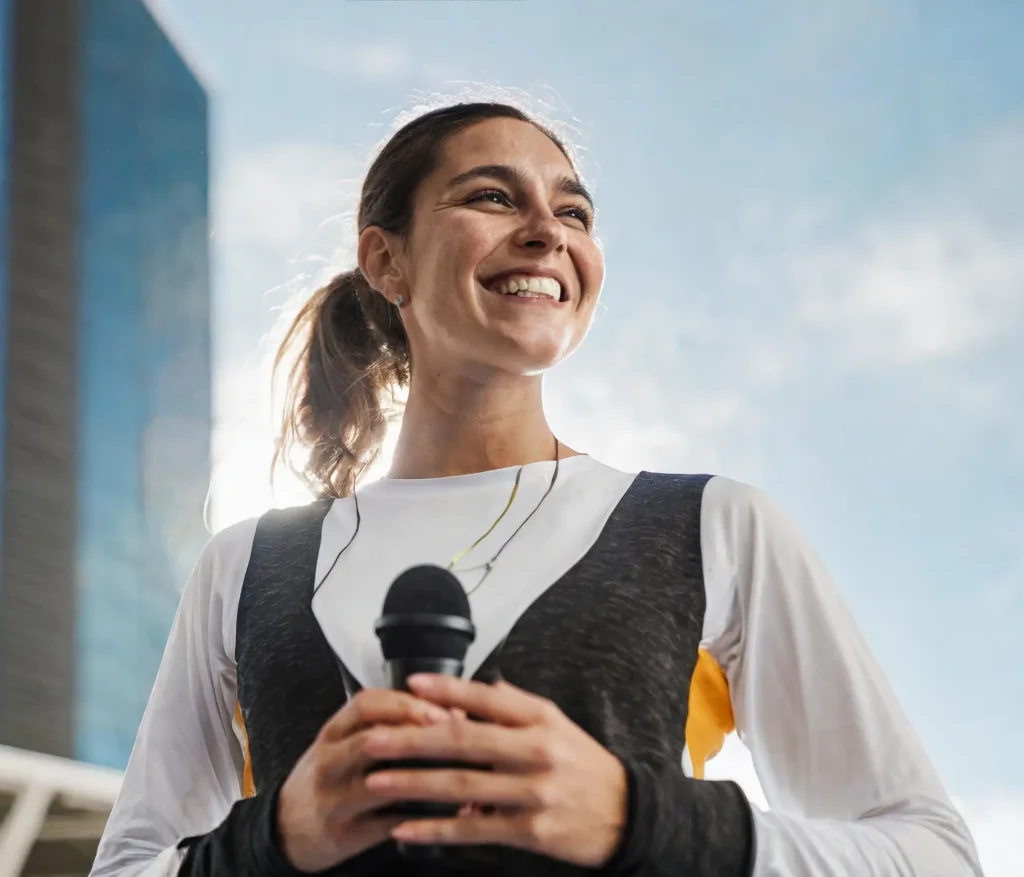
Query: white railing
38	782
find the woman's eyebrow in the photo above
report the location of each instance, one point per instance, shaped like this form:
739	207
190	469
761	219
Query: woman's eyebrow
565	184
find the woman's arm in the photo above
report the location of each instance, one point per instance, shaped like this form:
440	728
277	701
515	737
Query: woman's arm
184	775
851	789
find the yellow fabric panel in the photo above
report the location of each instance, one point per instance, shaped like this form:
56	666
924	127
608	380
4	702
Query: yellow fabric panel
710	717
248	786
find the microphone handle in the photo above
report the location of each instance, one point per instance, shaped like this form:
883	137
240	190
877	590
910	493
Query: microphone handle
400	669
398	672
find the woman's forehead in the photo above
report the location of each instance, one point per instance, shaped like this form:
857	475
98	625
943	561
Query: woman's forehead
507	142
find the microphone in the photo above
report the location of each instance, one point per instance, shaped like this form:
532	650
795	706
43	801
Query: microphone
424	627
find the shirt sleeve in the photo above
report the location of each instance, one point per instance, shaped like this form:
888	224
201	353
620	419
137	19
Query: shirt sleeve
185	769
851	789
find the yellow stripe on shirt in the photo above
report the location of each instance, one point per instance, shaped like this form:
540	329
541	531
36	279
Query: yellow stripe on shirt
248	785
709	719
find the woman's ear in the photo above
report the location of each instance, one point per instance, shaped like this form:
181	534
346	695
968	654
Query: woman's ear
378	261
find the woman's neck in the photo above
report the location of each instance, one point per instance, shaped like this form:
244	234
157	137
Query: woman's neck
472	428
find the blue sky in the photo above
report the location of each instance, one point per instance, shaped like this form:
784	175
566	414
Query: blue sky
812	214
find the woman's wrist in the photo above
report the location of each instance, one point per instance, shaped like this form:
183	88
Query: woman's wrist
629	854
246	842
686	825
269	847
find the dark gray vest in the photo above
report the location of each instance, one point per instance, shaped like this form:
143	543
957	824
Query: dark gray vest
613	642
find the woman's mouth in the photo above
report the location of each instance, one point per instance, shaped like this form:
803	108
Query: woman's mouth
527	286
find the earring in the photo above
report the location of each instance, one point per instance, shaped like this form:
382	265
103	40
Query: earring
399	301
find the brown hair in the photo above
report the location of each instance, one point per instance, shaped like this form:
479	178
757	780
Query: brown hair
349	345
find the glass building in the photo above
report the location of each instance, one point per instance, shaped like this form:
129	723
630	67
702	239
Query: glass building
105	365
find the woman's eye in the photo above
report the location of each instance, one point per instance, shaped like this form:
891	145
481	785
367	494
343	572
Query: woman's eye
496	196
580	214
493	195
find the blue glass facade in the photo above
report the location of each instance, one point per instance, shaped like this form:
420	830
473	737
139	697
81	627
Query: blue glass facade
144	362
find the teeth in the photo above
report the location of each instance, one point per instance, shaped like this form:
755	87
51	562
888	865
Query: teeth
529	287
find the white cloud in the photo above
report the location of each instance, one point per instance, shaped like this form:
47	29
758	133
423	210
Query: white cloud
915	291
243	440
631	419
279	196
286	209
930	282
378	60
372	61
243	447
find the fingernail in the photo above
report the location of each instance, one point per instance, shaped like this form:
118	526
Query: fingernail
405	832
419	679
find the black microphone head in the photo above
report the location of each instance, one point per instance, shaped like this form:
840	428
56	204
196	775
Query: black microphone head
426	615
430	590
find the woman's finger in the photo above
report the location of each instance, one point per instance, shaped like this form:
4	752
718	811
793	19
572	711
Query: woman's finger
371	827
373	706
483	743
517	829
455	786
501	702
341	761
344	798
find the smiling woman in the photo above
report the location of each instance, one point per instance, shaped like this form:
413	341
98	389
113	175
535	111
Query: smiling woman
626	623
490	260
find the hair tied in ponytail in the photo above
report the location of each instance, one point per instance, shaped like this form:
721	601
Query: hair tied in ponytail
349	357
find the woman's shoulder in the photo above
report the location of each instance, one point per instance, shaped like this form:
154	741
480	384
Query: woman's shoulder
745	533
746	515
719	495
229	548
728	495
225	559
735	516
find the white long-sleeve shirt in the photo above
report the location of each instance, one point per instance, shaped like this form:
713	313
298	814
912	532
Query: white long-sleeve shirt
851	791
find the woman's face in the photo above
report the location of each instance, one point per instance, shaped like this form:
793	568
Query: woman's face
502	211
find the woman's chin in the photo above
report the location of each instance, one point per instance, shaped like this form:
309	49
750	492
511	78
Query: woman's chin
523	353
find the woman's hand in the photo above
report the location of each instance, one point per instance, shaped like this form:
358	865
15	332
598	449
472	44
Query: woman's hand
324	811
553	789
